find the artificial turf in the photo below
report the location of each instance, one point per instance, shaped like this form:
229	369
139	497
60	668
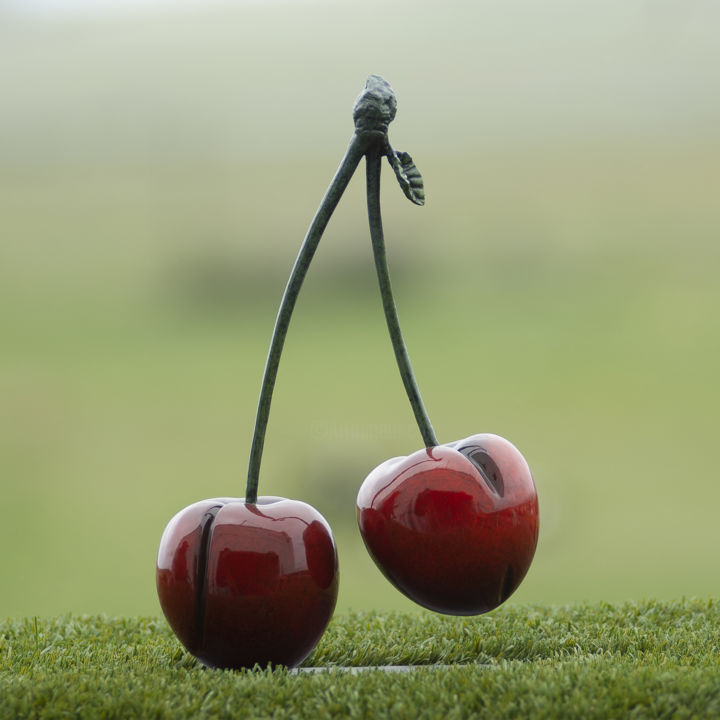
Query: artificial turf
651	659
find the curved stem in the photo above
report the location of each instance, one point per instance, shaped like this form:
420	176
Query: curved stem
374	158
352	158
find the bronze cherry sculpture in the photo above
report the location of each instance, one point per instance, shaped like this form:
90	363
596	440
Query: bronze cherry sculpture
254	580
454	526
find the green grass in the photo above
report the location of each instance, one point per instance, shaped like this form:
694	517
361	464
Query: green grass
649	659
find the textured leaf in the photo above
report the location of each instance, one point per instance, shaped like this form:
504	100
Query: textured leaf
408	175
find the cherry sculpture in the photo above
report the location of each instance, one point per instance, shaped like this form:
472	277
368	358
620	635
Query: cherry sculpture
454	527
254	580
245	582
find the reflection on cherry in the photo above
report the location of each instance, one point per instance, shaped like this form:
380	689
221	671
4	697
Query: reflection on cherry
244	584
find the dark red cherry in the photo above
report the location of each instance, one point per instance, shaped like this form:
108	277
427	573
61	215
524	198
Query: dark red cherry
454	527
244	584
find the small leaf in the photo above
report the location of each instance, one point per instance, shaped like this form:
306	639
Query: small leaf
408	175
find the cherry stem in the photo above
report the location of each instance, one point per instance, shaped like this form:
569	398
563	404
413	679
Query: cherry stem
356	150
373	166
374	109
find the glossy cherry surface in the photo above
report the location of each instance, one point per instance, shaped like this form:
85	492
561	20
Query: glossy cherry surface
243	584
454	527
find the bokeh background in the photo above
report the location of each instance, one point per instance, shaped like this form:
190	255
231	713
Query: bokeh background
159	165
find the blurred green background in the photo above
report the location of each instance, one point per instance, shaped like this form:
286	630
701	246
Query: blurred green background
158	169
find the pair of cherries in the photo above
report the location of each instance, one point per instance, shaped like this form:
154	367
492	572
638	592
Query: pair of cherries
254	580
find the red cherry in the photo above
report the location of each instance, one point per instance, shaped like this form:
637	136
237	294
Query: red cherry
454	527
244	584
